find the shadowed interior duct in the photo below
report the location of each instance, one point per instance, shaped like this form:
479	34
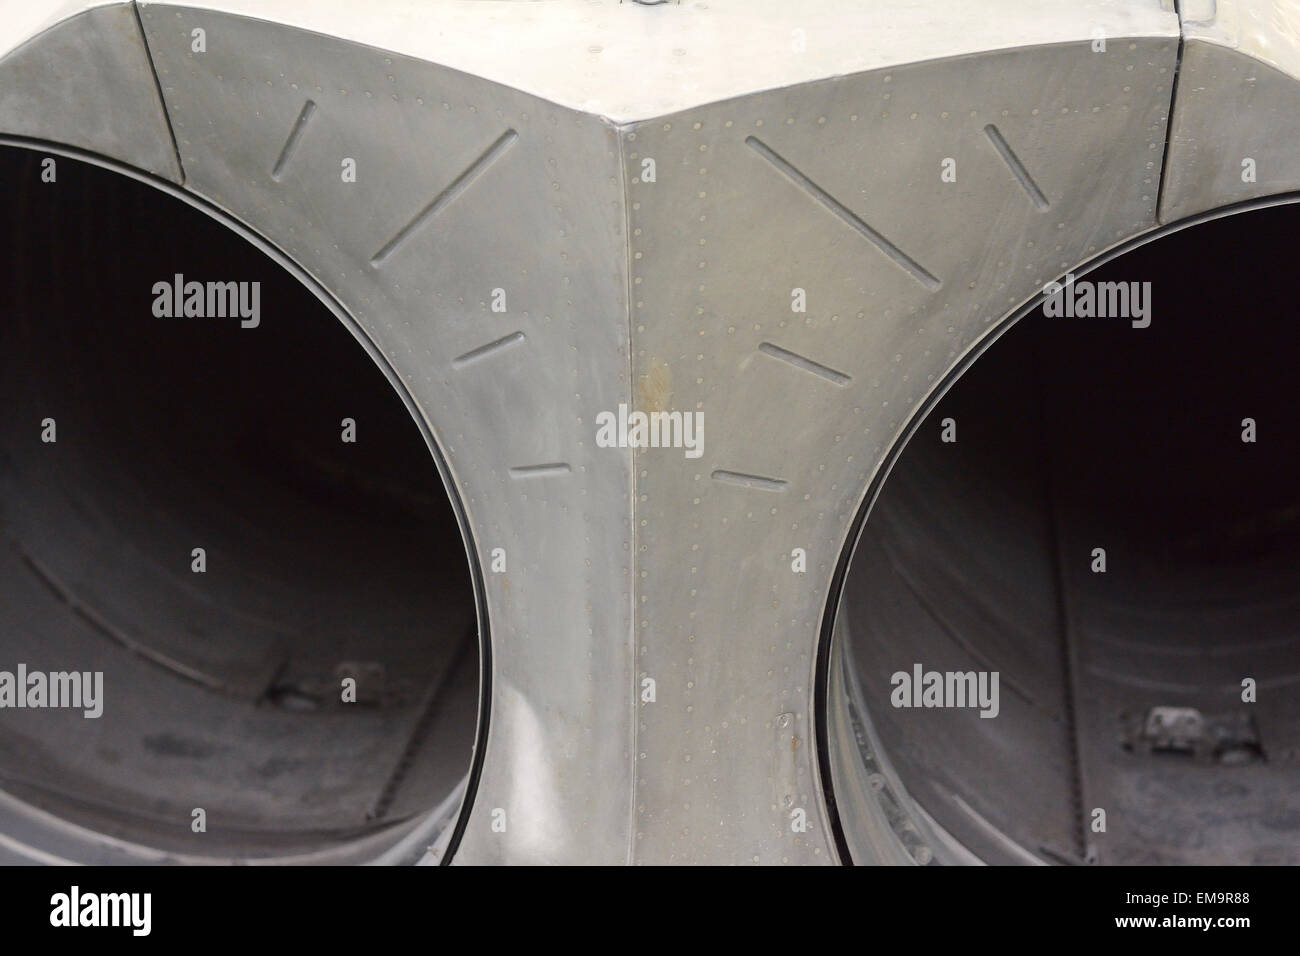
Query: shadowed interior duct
325	559
1123	690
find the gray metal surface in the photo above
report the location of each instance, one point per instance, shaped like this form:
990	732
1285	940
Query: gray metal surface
85	81
1236	119
503	146
833	188
462	187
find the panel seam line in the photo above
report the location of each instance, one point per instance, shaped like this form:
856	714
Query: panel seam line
633	735
1169	119
157	85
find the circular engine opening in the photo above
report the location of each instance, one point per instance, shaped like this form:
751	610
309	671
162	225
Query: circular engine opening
1107	517
232	521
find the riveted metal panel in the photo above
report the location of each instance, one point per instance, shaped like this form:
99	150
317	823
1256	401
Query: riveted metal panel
675	295
462	187
833	188
85	81
1236	117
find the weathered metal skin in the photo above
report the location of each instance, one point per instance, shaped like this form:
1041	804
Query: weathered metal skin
505	146
1237	109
